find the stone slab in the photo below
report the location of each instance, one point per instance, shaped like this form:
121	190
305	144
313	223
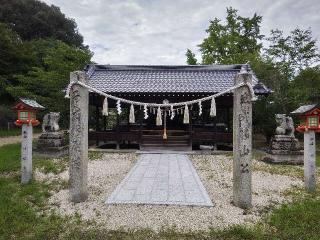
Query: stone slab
168	179
295	159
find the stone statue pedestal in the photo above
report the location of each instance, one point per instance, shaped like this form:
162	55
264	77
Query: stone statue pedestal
52	144
284	149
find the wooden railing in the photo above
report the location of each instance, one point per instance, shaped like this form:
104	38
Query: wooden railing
135	135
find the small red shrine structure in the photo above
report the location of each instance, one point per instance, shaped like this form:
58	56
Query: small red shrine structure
27	110
309	115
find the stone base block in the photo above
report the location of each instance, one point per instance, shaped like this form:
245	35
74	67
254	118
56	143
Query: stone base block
51	139
295	158
52	152
285	143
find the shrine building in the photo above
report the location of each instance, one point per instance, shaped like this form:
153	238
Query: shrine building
156	84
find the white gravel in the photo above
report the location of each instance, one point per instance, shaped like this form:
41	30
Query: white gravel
215	172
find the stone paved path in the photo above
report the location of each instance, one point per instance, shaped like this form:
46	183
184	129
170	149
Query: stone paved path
161	179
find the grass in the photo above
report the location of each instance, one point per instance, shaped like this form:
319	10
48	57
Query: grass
23	212
318	159
15	132
10	161
297	220
10	157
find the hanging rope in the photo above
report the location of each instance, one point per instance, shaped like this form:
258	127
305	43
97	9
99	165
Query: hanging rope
253	97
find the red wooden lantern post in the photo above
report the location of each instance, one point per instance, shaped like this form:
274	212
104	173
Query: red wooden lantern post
27	110
309	125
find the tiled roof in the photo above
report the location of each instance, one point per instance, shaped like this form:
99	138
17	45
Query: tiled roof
199	78
31	103
304	109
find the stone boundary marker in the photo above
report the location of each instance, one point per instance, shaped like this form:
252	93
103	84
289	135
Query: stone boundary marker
242	143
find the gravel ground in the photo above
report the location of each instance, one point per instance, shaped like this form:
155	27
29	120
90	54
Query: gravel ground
14	139
215	172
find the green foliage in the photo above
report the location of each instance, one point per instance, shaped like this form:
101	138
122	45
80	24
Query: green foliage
299	220
6	115
305	87
39	47
294	52
14	59
191	58
46	81
285	66
19	216
233	42
10	158
33	19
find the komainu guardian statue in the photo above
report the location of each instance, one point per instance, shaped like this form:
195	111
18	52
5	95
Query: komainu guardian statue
50	122
285	125
284	147
52	142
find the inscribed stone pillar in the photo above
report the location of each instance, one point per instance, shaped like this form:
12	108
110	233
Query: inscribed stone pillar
79	101
242	142
309	161
26	154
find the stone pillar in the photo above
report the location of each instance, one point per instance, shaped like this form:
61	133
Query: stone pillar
242	142
26	154
79	101
309	161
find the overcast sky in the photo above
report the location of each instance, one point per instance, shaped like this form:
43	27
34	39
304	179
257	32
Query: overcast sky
160	31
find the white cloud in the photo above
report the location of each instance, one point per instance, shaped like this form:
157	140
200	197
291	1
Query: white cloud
160	31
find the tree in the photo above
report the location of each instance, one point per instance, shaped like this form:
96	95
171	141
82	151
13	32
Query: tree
233	42
32	19
15	58
284	66
305	88
46	82
191	58
294	52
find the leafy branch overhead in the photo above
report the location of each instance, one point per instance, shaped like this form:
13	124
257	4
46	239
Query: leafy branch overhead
286	64
36	61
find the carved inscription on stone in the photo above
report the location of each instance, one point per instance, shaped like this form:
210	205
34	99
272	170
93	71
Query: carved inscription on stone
242	124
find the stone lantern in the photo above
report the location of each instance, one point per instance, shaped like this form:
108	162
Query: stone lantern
309	125
309	115
27	110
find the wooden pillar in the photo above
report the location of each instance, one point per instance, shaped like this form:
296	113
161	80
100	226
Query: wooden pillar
309	160
97	118
118	131
104	123
97	125
228	119
242	142
140	125
190	129
79	102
